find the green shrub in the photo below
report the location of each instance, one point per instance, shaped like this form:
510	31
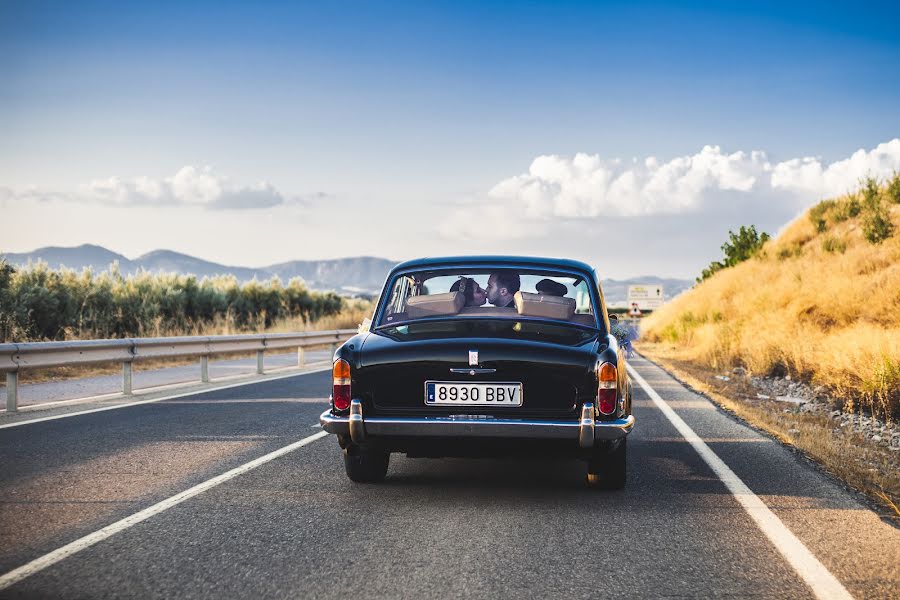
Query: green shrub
876	225
7	323
871	192
740	246
819	212
38	303
832	244
846	209
893	189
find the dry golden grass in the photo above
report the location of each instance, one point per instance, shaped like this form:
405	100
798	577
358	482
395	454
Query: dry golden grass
353	314
823	306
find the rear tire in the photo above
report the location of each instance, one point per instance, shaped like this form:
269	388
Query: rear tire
365	465
606	467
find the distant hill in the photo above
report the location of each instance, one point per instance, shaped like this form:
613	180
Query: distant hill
97	258
355	275
175	262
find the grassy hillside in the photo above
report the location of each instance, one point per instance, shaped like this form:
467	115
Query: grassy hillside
820	302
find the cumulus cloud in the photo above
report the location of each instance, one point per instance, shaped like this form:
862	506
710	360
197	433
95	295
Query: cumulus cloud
189	186
586	185
808	175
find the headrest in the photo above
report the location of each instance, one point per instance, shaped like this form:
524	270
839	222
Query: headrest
551	288
434	305
542	305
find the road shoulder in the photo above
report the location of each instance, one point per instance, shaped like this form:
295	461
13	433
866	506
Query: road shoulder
869	470
856	541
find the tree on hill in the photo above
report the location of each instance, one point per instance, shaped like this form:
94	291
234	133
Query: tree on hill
740	246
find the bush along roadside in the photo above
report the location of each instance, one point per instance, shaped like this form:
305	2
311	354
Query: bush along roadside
39	303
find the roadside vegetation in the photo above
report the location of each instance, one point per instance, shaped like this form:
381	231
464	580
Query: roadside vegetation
819	304
740	246
39	304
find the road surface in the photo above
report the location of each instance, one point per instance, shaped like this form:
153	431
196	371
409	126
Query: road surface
94	506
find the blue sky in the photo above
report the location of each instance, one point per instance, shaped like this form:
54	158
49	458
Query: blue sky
408	117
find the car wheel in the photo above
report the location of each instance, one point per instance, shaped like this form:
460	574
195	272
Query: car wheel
365	465
606	467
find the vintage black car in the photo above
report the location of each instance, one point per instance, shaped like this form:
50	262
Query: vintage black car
485	357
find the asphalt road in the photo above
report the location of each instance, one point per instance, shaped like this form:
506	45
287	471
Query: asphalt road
296	527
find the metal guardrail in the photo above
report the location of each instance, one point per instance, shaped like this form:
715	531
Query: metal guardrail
33	355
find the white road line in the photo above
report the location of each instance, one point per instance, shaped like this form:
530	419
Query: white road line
807	566
39	564
172	397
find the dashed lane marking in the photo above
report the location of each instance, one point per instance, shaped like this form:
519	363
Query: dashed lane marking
817	577
50	559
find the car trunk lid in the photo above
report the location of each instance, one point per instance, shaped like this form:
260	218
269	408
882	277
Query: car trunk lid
553	363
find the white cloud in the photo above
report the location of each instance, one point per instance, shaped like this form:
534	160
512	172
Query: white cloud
809	175
587	186
189	186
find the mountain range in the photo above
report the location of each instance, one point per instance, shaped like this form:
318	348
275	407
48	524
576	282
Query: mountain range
359	275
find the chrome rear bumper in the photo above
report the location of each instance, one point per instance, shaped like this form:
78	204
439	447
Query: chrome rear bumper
584	431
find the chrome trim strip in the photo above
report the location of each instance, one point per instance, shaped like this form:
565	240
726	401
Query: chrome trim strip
586	426
471	371
355	422
466	426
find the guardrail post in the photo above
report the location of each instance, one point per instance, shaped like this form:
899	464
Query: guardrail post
301	356
204	368
12	391
259	362
333	350
126	378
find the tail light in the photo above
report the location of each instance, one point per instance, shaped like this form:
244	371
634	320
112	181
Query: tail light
606	388
340	396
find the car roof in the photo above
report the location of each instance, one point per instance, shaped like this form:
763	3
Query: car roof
492	260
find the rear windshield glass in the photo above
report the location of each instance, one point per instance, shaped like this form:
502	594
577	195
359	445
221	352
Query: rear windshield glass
481	294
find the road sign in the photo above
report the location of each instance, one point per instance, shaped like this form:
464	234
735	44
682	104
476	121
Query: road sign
646	297
635	310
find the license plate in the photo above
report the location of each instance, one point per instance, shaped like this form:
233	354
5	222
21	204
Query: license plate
454	393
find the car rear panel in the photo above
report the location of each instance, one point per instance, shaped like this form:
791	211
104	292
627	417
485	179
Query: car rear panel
392	371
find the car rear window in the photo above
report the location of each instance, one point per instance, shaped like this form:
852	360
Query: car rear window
518	295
